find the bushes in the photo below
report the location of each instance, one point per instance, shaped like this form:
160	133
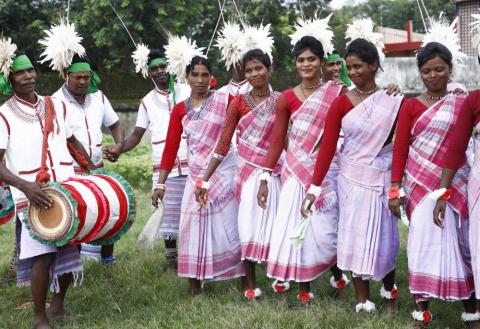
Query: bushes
126	88
135	166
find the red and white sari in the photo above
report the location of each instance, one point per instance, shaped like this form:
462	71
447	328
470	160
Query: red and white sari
318	251
474	207
254	132
438	259
368	239
209	247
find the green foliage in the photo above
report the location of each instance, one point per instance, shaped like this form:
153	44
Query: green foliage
135	166
109	46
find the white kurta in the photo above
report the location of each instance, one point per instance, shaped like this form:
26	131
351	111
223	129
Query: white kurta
21	137
86	120
154	114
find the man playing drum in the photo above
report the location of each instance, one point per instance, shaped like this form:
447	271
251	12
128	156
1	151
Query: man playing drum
89	110
22	121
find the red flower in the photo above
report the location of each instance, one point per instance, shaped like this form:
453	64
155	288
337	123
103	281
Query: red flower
446	195
427	317
213	82
250	294
279	288
341	283
304	296
394	293
394	193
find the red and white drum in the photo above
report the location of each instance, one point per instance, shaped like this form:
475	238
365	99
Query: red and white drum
96	209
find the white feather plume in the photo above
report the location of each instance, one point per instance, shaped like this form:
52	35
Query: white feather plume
7	54
231	43
258	38
363	28
61	44
446	34
179	53
476	32
140	59
317	28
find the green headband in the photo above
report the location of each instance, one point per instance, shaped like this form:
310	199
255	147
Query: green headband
334	58
343	71
20	63
157	61
85	67
171	78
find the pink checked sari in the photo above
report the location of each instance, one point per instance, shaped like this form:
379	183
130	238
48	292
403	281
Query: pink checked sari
474	207
254	139
368	238
209	246
438	259
318	251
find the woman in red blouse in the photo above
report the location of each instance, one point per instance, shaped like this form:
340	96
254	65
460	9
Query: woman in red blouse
304	105
438	253
252	115
368	238
209	247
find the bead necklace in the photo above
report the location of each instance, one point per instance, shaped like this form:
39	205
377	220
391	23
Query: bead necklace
314	86
369	92
257	94
432	98
201	96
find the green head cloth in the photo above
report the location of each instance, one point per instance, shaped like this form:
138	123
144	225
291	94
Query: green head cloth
85	67
20	63
171	78
343	71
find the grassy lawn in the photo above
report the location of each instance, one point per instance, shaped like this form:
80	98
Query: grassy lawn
138	292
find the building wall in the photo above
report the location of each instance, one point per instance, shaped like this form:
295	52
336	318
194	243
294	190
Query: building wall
465	9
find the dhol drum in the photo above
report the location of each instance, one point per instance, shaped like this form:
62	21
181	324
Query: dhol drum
97	209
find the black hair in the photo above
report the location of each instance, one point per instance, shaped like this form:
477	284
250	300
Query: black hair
365	50
258	55
199	60
308	43
85	59
155	53
432	50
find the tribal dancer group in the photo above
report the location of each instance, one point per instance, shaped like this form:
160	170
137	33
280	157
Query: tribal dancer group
305	181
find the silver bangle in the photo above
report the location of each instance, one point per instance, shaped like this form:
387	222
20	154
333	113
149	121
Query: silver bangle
160	186
218	156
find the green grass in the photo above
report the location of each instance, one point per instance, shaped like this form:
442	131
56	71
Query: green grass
138	292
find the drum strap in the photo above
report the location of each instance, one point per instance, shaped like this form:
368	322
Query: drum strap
43	176
78	156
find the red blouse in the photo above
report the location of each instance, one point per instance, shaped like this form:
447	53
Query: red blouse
287	104
468	118
328	146
236	110
410	111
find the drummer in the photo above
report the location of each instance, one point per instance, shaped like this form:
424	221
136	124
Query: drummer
22	118
89	110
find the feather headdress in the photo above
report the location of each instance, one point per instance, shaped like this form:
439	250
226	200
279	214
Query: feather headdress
7	54
231	43
61	44
179	52
363	28
317	28
258	38
476	31
140	59
446	34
